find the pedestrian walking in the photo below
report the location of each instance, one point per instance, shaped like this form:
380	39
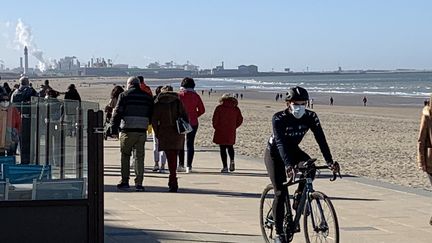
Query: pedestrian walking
72	101
365	100
424	157
22	97
331	100
195	108
131	116
159	156
10	125
227	118
115	93
7	89
167	110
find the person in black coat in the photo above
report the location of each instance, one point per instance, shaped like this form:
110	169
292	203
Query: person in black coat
72	93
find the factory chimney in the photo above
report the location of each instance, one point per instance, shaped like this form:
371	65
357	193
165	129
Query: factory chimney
25	61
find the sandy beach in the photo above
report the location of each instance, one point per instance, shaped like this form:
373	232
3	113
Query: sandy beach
378	141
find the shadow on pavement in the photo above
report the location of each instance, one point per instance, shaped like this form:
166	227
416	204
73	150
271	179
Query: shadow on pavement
153	189
354	199
119	234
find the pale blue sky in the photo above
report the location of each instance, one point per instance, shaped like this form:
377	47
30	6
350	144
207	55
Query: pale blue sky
321	35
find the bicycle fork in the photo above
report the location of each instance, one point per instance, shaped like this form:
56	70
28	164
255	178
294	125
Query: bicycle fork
322	227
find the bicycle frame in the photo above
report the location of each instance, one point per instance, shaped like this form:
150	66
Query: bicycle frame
304	201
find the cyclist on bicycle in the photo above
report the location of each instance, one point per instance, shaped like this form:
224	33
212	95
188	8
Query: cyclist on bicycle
283	153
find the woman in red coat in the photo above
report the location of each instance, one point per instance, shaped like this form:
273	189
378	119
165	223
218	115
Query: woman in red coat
227	118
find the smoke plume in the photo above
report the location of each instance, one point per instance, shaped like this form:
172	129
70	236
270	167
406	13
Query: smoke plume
24	37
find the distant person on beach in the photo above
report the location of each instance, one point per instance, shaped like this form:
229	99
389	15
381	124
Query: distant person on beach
283	153
424	157
195	108
7	89
168	108
241	96
10	125
209	93
44	89
311	103
331	100
23	95
72	93
277	97
72	101
227	118
426	102
56	114
132	115
202	92
115	92
364	101
159	156
143	86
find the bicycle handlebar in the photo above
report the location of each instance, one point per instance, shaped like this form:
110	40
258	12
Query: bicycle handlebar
310	164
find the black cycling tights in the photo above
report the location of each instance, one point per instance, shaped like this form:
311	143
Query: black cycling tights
223	153
276	171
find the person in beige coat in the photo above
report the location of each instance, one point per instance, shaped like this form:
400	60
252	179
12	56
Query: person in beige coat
424	156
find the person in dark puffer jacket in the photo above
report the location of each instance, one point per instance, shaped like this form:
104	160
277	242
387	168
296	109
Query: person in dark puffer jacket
132	115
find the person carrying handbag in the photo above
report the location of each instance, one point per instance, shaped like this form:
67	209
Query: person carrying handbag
167	109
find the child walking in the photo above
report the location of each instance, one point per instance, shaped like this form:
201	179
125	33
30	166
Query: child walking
227	118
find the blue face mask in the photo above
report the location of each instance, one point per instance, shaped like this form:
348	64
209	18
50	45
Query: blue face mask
298	110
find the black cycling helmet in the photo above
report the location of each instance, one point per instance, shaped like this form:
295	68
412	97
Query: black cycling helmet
297	93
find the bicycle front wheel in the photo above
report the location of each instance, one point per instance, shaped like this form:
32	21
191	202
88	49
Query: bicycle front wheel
320	220
267	224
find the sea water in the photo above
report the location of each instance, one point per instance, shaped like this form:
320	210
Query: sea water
394	84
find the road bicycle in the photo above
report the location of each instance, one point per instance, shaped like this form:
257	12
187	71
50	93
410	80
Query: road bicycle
320	223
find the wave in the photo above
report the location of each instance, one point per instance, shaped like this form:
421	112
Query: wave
324	85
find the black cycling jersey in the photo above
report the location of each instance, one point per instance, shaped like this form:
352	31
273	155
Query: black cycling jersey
289	131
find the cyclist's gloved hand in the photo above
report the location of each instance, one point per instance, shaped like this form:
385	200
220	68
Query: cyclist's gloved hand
334	166
290	171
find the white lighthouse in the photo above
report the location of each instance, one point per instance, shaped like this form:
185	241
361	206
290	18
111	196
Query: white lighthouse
25	61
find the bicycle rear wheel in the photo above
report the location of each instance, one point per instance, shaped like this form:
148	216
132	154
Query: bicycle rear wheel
320	220
266	214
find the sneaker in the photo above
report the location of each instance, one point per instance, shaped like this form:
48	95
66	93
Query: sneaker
162	169
224	170
181	169
139	188
123	185
188	170
156	167
280	239
232	166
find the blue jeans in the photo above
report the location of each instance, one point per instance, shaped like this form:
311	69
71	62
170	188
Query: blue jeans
190	140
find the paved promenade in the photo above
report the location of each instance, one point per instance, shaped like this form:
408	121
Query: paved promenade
212	207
